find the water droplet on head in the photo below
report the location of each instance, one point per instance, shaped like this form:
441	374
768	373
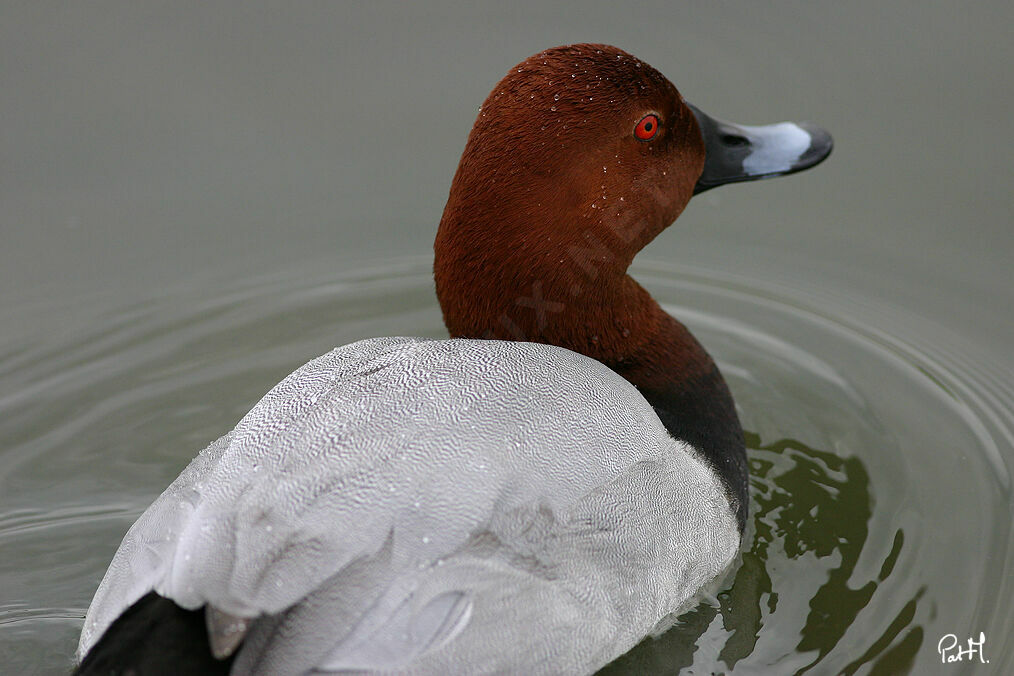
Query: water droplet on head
556	97
553	108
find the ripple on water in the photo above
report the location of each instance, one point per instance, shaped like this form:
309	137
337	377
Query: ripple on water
879	449
880	491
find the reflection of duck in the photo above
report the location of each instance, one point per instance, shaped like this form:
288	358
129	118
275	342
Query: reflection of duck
479	505
811	514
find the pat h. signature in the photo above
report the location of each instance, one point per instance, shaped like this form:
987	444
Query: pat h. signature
951	651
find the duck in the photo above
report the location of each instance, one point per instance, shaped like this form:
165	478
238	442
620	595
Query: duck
535	494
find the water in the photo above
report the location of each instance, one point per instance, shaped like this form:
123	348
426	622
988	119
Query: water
877	470
192	204
97	426
878	486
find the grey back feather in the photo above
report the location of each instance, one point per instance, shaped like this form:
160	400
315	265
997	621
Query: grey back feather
430	506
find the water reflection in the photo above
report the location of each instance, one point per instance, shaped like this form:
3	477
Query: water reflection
808	508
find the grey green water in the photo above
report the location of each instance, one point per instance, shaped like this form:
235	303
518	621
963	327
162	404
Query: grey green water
193	203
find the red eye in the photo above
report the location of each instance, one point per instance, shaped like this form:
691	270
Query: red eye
647	128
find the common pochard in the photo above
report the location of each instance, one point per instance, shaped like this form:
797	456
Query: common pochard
534	495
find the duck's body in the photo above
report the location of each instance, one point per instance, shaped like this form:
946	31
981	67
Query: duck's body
523	510
536	503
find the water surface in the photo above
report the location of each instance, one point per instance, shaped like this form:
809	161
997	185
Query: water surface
852	437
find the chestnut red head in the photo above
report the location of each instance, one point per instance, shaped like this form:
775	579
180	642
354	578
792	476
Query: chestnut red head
578	158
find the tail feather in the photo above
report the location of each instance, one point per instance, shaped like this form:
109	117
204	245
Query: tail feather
154	637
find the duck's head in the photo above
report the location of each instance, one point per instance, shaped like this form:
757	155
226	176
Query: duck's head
578	158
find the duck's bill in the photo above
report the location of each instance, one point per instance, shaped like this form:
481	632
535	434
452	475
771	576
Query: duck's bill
737	153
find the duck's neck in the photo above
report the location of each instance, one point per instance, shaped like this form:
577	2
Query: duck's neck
684	386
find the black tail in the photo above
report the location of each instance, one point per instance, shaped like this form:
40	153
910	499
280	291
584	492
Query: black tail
154	637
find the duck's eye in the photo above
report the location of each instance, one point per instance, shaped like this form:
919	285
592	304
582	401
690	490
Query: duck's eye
647	128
